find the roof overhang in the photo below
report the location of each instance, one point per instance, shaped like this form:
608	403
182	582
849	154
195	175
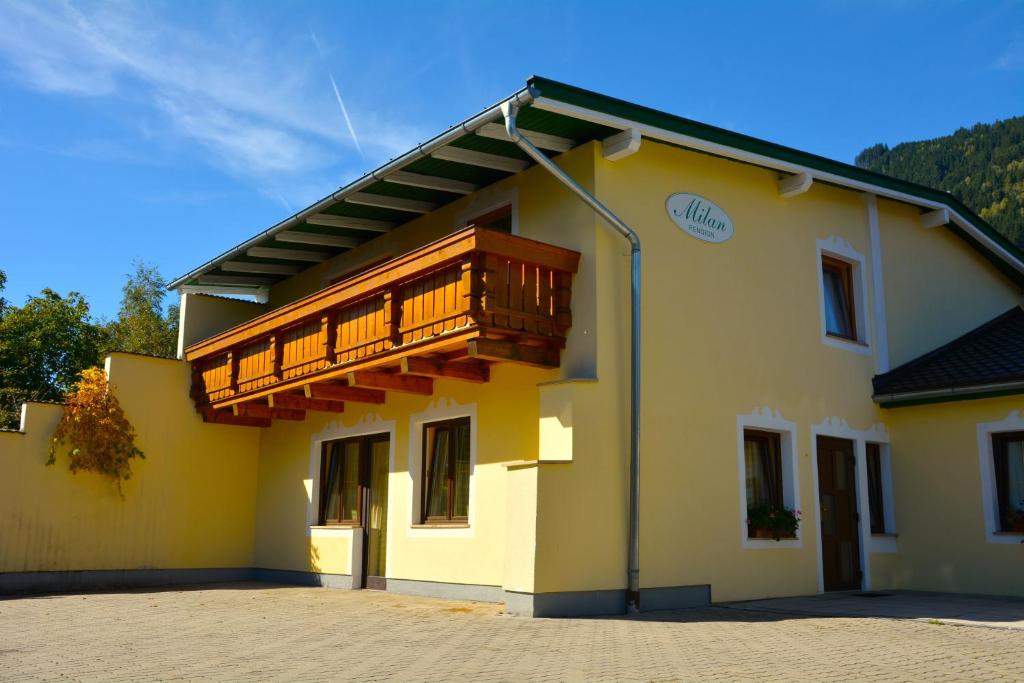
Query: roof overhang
556	117
947	394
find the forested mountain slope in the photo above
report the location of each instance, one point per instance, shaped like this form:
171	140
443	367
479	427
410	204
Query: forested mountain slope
983	166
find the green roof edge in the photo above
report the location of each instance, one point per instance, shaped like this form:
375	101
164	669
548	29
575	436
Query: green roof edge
588	99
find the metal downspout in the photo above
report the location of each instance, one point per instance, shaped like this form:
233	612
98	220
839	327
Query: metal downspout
510	109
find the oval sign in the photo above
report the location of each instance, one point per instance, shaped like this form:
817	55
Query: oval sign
699	217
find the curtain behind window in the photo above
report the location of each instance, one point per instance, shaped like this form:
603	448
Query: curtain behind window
837	308
437	472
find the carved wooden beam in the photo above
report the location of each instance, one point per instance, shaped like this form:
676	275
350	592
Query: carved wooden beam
497	350
338	392
410	384
470	371
227	417
293	402
266	412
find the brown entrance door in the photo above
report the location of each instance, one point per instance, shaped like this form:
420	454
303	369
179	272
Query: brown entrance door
840	527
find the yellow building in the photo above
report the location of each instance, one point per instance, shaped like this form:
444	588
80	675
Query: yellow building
572	355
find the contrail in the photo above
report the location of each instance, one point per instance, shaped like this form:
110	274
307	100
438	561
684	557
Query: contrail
337	95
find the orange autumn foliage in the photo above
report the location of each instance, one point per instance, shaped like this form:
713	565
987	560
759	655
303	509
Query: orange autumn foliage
95	428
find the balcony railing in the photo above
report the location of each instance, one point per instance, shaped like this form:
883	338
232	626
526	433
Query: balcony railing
447	309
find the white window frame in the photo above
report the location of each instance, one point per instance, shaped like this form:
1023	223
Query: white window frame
766	420
986	460
439	410
486	202
840	249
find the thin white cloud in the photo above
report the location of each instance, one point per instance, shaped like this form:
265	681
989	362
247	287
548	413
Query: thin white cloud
255	107
337	93
1012	58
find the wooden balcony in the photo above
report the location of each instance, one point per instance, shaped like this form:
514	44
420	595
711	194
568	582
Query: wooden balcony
448	309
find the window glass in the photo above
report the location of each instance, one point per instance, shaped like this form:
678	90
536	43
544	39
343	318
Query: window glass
1009	462
498	219
446	470
330	501
876	497
350	481
764	469
837	278
460	442
437	472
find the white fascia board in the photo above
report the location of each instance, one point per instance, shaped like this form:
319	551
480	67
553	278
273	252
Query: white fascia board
299	237
261	294
621	145
702	145
330	220
472	157
793	185
552	143
383	201
430	182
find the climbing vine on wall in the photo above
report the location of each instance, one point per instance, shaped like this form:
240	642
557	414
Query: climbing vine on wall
95	430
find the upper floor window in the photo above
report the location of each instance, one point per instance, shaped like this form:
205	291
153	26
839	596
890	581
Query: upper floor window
840	303
1008	456
446	465
497	219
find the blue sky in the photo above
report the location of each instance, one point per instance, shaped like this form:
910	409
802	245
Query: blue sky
170	132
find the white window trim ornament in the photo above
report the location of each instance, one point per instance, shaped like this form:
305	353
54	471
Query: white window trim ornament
439	409
767	420
838	248
1013	422
885	542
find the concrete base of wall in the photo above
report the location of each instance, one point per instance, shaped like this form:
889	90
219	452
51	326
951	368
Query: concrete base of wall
295	578
605	602
448	591
560	604
97	579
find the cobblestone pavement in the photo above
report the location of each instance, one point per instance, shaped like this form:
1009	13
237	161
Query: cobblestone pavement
265	632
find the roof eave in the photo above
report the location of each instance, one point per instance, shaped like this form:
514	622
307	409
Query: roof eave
521	97
951	393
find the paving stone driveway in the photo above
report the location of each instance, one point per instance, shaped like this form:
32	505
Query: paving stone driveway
262	631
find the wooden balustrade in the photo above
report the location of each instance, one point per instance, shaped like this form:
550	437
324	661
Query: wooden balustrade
474	297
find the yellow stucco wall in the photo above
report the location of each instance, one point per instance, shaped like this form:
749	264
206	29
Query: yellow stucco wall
506	420
961	289
189	504
728	329
937	484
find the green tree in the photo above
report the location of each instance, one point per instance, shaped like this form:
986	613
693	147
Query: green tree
142	326
983	166
44	345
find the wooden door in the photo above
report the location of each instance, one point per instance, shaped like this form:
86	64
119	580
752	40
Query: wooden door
840	523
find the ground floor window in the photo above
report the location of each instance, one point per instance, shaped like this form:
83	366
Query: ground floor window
764	468
767	513
876	488
348	469
446	465
1008	456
